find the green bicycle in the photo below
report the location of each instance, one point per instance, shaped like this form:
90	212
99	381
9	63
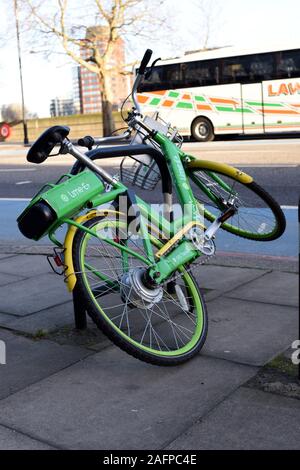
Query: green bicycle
130	263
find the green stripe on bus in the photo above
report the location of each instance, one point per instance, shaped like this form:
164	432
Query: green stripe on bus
184	105
234	110
274	124
199	98
255	103
223	108
155	101
173	94
244	110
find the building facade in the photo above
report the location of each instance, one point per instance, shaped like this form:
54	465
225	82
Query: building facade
62	107
86	87
77	89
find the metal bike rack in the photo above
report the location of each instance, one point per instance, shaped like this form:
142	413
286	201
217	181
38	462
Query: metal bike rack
80	313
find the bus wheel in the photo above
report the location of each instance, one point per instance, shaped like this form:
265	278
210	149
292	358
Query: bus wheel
202	130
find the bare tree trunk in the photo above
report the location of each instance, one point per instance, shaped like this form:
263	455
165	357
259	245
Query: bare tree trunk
108	123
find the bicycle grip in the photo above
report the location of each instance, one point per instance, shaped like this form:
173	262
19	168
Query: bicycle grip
145	61
46	142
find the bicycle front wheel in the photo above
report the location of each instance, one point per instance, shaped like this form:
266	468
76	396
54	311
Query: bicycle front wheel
258	216
166	327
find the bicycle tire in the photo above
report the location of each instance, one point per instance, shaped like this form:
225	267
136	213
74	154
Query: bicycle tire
267	206
101	319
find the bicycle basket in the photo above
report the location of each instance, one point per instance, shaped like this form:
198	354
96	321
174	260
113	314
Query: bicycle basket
141	170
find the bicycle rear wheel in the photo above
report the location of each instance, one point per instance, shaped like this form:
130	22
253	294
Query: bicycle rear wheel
166	329
258	217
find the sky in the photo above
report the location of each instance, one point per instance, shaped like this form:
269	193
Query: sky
243	23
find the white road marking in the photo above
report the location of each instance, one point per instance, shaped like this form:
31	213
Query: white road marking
217	143
267	165
6	170
15	199
289	207
24	182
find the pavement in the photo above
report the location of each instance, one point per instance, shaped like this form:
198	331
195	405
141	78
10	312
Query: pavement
68	389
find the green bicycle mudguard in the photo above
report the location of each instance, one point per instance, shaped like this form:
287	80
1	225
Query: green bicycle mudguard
64	199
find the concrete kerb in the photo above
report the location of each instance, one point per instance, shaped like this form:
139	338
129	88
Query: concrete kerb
241	260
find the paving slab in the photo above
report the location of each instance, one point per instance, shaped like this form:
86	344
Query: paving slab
251	260
275	287
34	294
247	420
6	335
113	401
13	440
249	332
9	249
29	361
224	279
25	265
47	320
8	279
5	255
6	319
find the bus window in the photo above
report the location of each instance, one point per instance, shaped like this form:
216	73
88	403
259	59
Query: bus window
182	75
156	81
261	67
200	73
173	76
234	70
248	68
288	65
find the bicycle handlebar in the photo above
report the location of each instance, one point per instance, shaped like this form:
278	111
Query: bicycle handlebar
89	141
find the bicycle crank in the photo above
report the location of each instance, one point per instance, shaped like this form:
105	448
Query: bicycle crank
202	242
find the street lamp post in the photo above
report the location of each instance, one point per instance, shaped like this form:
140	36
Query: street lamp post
20	71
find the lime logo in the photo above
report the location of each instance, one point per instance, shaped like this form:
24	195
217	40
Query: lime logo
64	198
79	190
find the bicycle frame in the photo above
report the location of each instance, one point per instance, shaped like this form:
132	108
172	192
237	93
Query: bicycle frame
161	265
178	249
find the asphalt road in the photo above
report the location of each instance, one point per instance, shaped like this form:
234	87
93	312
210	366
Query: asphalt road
281	182
259	158
275	165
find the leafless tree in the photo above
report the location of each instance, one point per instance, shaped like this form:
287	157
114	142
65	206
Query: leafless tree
89	31
209	20
12	112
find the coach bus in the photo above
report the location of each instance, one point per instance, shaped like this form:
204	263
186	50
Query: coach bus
227	91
